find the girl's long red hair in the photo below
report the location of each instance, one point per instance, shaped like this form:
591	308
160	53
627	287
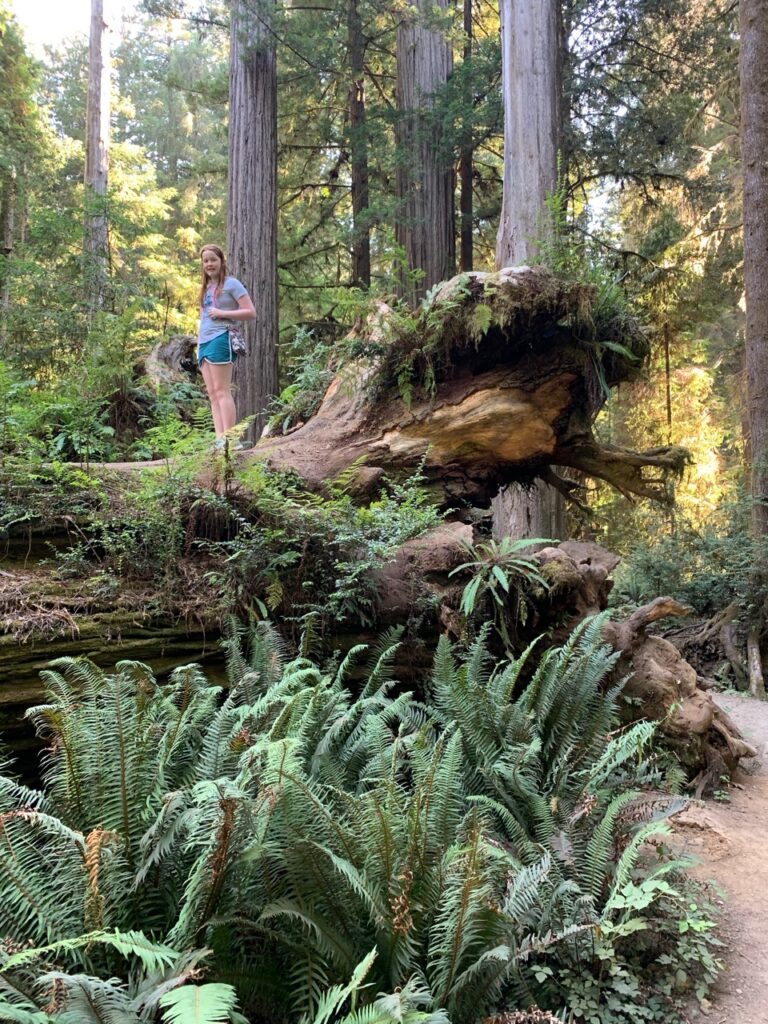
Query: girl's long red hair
222	275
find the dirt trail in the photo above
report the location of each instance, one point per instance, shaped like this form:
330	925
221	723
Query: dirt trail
731	842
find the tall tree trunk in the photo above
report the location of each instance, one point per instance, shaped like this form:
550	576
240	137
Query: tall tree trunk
753	19
465	164
531	62
425	226
8	233
531	58
358	146
97	158
754	150
252	210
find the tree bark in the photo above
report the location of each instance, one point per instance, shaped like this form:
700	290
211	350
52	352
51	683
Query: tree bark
753	21
531	88
8	232
425	227
756	678
465	165
252	208
358	145
754	129
754	149
97	135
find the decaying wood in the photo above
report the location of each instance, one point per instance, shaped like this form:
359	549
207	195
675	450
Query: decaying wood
661	685
42	618
712	647
755	662
520	374
507	405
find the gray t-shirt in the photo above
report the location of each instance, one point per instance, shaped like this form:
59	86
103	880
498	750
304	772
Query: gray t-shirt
227	299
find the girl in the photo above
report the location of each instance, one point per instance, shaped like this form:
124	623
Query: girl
222	299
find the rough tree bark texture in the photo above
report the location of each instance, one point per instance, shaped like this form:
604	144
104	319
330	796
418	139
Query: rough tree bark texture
358	149
97	156
252	209
530	37
753	23
531	88
425	178
754	81
8	235
465	165
754	150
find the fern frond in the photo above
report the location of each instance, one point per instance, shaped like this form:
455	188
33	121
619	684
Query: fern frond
199	1004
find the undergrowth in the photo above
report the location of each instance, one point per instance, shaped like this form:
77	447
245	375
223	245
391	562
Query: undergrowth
263	544
706	568
328	855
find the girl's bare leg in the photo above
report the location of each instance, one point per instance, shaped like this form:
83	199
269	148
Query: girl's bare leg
218	383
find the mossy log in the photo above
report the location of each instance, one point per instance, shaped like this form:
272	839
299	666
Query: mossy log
44	618
499	378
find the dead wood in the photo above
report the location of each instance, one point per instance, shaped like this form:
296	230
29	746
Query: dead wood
755	662
712	646
486	406
660	683
497	379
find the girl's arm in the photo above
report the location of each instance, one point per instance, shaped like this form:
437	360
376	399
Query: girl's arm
246	311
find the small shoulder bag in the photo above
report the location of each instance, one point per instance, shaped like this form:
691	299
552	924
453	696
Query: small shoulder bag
237	340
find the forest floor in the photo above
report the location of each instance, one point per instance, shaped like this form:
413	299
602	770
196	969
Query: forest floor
729	838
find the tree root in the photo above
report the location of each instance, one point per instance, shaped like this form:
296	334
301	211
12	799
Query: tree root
628	471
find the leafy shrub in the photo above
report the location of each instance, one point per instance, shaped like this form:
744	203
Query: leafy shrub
707	569
301	554
308	366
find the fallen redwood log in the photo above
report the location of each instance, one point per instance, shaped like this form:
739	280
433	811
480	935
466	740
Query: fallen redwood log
499	378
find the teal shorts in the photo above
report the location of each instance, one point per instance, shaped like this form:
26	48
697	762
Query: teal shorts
217	350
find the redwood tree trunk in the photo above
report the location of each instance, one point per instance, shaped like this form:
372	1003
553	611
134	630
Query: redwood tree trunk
753	18
465	165
97	158
252	209
425	178
358	145
754	150
531	61
530	40
8	233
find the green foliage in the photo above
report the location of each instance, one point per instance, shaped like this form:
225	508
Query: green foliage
504	579
478	854
199	1004
707	568
308	359
261	547
100	412
302	554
